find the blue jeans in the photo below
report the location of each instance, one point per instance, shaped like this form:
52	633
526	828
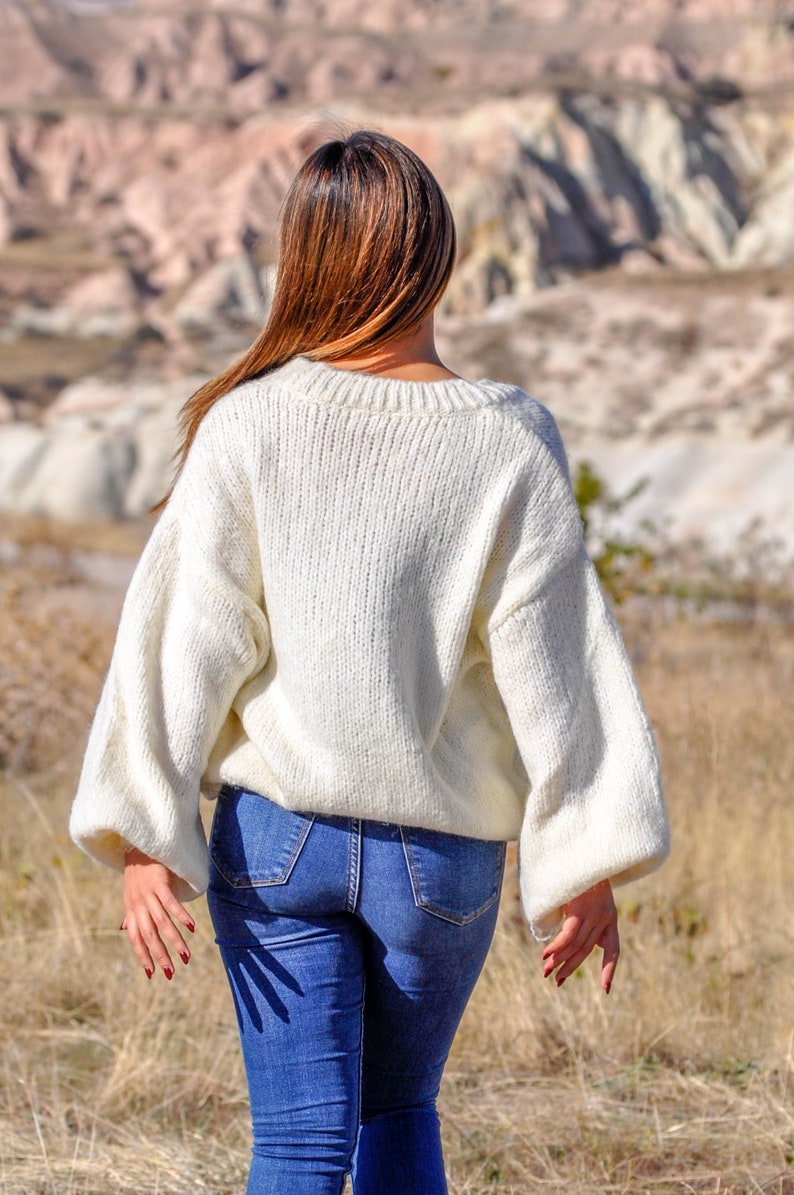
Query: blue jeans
351	948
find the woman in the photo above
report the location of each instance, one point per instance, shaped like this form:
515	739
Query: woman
367	619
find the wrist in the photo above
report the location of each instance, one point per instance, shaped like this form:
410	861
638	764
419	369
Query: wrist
133	855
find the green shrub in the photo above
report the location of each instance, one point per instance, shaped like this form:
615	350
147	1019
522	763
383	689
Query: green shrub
621	563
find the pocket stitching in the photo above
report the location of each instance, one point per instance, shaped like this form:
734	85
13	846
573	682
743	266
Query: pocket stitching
287	870
436	910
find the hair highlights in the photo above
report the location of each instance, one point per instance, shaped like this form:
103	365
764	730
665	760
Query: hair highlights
366	250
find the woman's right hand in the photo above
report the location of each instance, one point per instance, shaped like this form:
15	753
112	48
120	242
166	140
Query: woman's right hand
590	920
150	912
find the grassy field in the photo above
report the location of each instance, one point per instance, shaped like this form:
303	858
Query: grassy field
681	1081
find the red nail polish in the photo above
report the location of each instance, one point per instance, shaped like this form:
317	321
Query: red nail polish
191	926
185	957
122	925
149	972
168	972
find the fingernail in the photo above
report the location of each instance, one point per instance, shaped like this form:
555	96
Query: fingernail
560	982
547	972
149	972
185	957
168	972
191	926
608	988
122	925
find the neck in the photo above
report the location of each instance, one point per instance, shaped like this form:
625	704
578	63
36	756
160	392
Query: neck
413	357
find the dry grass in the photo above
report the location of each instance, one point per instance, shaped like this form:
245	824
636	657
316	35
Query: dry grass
681	1081
40	533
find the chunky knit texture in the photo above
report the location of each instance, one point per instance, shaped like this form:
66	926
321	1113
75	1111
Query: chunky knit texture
370	597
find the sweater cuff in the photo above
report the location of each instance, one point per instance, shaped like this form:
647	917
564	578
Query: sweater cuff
186	857
541	933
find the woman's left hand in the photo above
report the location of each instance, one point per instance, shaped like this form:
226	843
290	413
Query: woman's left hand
590	920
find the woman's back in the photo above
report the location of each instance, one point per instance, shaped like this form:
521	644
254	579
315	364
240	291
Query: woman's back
389	517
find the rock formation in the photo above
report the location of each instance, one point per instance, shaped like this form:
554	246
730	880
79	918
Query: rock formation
164	143
144	155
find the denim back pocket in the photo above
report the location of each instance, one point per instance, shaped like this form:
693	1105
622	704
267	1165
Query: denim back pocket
453	877
255	842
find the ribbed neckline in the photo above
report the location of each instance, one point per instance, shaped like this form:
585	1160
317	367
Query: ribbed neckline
322	382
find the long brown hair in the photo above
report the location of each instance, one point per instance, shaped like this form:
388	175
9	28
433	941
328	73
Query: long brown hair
366	250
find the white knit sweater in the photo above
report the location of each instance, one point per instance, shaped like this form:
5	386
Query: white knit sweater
370	597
